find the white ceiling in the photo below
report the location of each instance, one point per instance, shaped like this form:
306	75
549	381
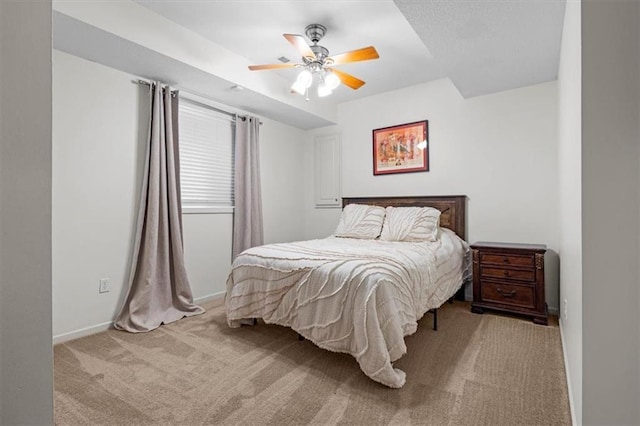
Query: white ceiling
483	46
254	30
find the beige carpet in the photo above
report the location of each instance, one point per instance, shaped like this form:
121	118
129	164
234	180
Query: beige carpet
476	369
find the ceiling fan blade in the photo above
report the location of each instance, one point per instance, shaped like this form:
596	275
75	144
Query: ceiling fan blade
271	66
363	54
300	44
348	79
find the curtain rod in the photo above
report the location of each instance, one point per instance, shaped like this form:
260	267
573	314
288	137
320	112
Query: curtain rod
234	116
147	83
173	92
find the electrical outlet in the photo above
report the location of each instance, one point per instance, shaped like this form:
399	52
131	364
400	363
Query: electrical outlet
104	285
564	310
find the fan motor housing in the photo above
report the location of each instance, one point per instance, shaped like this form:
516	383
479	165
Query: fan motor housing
321	52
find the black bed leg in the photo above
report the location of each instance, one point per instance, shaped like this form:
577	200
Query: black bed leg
255	321
435	319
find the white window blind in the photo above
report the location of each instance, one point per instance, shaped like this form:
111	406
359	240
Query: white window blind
206	159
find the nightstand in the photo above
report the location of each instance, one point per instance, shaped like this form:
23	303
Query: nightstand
509	277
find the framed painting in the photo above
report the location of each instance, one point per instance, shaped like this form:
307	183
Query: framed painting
401	149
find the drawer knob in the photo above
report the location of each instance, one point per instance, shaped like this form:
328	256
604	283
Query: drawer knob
505	294
506	273
505	259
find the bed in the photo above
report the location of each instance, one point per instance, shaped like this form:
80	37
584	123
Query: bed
359	296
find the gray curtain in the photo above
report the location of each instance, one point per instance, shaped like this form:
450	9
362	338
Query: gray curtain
159	291
247	218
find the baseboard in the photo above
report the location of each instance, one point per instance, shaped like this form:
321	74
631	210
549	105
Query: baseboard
568	375
83	332
216	298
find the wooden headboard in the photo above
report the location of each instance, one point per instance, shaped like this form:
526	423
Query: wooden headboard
453	207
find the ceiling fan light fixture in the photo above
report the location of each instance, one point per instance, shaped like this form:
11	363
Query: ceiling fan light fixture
317	65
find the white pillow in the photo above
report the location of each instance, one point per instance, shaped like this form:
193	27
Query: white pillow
411	224
360	221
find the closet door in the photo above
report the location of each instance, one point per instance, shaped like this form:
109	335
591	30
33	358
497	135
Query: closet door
328	171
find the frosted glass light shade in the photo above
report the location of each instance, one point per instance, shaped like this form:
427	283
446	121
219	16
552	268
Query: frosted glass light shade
305	78
323	90
303	82
298	88
331	80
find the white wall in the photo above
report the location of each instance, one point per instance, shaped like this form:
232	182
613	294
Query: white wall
207	252
282	165
570	202
99	137
610	212
26	356
97	144
499	150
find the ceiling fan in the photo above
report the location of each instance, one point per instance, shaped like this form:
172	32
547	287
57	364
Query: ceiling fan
317	62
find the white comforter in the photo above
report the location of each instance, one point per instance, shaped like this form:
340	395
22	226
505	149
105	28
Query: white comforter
347	295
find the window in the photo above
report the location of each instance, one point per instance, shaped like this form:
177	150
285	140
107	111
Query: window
206	158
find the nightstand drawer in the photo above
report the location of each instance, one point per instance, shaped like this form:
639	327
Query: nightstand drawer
507	294
507	259
515	274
